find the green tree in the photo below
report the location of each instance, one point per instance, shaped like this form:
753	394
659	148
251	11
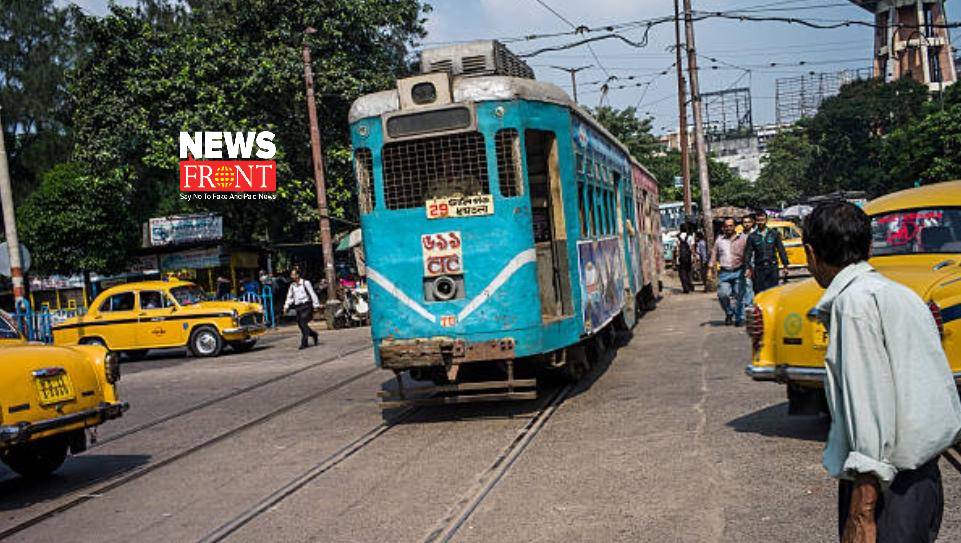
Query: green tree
74	221
785	169
633	131
226	66
37	47
927	151
849	130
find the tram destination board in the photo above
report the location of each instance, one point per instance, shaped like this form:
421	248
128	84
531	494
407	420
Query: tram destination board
460	206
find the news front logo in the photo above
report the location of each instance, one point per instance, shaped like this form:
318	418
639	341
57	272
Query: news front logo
212	162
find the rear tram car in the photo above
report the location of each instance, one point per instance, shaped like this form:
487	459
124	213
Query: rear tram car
504	229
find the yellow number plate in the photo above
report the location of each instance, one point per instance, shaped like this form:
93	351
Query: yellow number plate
819	335
54	389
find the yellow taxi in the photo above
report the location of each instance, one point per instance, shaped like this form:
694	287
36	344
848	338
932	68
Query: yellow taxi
916	241
49	396
136	317
791	237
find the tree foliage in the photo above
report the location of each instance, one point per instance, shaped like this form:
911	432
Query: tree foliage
37	47
74	221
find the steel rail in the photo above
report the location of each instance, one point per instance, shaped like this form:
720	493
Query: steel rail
137	474
448	527
345	452
224	397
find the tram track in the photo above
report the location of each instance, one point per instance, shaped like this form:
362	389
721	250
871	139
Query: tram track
134	475
450	525
224	397
302	480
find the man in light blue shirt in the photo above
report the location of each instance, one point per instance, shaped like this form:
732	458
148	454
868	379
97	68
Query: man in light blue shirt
893	401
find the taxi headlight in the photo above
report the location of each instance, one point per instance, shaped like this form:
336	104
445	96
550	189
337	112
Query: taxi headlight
111	366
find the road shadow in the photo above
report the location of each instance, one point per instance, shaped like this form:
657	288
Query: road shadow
77	473
773	421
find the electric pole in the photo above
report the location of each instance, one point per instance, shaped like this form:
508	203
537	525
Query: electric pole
316	155
573	72
10	225
682	114
700	144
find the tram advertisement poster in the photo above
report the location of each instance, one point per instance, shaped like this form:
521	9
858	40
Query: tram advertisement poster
602	280
443	253
460	206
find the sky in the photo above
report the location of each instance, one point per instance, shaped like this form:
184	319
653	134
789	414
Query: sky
744	51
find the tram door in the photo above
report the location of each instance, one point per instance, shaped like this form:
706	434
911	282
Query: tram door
550	234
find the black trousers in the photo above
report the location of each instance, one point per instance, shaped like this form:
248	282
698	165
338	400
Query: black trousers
909	511
305	312
684	273
765	277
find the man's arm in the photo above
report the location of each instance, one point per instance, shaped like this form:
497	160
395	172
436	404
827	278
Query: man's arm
312	294
748	255
867	403
781	252
290	298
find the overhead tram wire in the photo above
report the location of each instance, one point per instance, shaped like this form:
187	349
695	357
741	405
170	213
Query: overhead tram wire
575	27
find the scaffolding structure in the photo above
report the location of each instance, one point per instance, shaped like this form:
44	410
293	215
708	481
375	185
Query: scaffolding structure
799	97
727	113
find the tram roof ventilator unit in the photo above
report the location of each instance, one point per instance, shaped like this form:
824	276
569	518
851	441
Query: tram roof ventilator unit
476	58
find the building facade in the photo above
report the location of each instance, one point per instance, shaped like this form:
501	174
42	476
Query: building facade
911	40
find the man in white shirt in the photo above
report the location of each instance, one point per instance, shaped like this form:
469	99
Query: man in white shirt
301	296
893	401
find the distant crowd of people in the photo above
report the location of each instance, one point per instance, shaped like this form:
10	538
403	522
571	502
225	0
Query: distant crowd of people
745	262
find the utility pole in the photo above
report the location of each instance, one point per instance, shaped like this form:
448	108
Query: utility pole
682	114
10	225
316	155
573	72
699	142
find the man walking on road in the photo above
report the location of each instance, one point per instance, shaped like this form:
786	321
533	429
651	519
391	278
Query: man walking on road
764	249
747	295
684	257
301	296
727	258
894	406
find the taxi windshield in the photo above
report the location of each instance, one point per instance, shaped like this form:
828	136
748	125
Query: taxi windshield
916	231
188	294
7	329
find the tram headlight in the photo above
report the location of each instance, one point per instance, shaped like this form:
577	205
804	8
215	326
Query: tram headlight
445	288
423	93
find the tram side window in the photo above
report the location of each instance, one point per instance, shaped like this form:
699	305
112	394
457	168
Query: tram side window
438	167
591	212
508	147
364	169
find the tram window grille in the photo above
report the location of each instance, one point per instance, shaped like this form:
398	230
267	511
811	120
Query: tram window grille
507	144
438	167
364	169
580	208
579	162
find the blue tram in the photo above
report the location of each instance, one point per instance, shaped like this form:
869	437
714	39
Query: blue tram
503	227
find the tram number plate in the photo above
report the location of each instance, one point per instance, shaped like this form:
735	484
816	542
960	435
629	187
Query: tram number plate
460	206
819	335
442	254
54	389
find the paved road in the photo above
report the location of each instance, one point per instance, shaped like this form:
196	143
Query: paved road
666	442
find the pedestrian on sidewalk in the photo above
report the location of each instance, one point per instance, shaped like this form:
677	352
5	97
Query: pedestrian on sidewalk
747	293
684	257
700	250
765	250
727	258
893	402
301	296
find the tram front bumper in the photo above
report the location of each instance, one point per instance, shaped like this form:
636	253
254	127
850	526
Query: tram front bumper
403	354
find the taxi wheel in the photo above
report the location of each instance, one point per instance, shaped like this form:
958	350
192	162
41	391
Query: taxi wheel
243	346
38	459
205	342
